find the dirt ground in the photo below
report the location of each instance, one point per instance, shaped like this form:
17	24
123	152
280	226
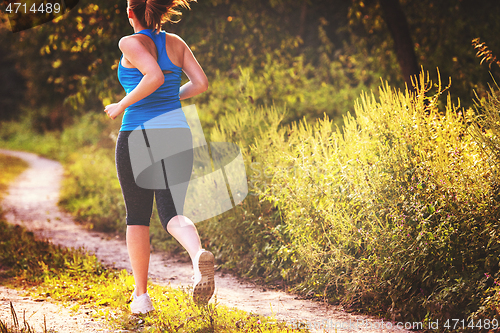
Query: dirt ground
32	202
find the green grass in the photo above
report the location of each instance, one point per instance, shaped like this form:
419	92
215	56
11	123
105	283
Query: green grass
72	276
11	167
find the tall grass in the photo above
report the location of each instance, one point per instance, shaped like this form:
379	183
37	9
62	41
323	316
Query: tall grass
16	327
396	212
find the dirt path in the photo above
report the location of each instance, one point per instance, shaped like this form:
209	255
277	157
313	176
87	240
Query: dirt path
32	202
57	317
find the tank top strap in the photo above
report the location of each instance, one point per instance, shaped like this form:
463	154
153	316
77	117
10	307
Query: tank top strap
154	37
160	41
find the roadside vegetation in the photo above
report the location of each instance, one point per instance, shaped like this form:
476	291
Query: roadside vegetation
11	168
44	270
394	213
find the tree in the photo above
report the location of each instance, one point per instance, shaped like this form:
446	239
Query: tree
68	63
12	84
440	31
396	21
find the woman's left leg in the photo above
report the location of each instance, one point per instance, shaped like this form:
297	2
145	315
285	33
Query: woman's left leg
177	169
139	206
138	250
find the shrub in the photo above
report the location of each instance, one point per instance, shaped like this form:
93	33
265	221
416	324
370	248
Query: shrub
395	213
91	191
305	90
486	131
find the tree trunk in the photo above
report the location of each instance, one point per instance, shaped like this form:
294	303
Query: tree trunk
398	26
303	15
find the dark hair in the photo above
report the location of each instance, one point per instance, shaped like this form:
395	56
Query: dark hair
153	13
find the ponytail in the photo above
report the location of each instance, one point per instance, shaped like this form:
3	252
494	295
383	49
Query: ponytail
153	13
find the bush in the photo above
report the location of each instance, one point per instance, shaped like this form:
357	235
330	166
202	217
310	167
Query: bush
90	129
486	131
307	91
395	213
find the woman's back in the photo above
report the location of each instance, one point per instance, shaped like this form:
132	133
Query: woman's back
151	65
166	97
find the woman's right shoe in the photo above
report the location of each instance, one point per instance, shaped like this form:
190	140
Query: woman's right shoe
204	284
141	304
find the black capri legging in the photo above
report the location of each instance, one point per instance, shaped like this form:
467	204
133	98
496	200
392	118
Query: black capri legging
139	200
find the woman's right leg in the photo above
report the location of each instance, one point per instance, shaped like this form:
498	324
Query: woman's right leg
170	204
184	231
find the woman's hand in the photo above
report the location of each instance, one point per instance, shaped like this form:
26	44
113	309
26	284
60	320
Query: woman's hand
114	110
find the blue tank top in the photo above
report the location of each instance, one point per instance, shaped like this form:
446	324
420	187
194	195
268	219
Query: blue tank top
161	109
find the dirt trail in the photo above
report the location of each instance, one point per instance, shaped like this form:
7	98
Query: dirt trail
32	202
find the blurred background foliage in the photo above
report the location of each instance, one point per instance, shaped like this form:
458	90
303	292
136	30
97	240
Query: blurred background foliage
294	53
362	193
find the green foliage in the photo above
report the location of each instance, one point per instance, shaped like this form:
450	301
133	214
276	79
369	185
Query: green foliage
87	130
69	59
225	34
395	213
31	261
305	90
486	130
11	167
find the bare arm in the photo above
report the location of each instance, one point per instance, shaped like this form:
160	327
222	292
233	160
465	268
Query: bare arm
137	54
198	81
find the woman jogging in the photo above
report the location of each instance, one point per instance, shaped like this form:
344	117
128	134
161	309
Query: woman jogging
150	72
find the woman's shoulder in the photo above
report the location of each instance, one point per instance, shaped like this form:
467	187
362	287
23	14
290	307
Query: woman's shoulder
124	39
130	41
176	40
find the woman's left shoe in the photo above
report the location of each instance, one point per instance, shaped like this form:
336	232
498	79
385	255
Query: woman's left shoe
204	284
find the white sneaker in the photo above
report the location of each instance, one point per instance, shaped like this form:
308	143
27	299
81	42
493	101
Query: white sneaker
204	284
141	304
